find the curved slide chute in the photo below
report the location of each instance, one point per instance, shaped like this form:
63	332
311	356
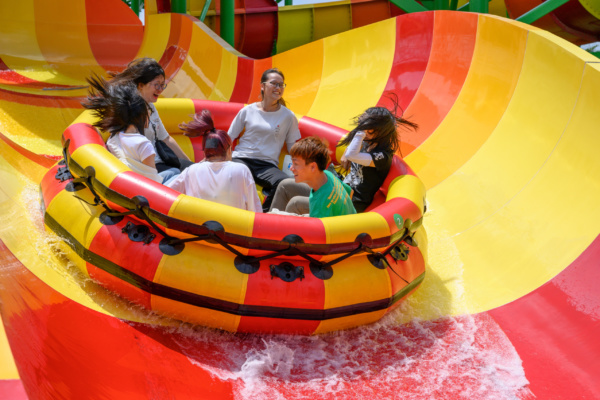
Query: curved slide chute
507	149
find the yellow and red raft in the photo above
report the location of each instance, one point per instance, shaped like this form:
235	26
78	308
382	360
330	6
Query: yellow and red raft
222	267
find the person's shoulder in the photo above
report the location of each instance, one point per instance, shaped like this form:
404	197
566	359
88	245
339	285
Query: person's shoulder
331	176
382	154
380	148
334	179
250	107
286	110
135	138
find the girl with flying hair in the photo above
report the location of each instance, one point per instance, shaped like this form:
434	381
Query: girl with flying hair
123	113
147	75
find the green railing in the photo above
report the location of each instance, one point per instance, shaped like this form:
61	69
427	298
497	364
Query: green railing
479	6
410	6
134	5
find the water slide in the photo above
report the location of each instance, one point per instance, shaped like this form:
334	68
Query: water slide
507	145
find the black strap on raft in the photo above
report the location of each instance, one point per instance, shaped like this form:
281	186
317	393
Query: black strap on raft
63	173
214	232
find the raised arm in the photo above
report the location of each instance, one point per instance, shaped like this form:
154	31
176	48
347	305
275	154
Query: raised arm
354	154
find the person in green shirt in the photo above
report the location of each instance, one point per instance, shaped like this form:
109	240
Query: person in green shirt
329	196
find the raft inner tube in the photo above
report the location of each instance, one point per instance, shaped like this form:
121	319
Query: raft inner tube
223	267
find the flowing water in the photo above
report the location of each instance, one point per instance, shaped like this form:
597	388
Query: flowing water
404	356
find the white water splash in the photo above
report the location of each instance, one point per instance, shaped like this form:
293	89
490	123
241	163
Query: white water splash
465	357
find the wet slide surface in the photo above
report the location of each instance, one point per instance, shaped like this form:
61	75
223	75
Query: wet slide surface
507	149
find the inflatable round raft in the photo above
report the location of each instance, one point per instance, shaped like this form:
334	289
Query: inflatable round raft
222	267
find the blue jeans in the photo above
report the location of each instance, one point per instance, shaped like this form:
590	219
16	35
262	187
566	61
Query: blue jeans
169	174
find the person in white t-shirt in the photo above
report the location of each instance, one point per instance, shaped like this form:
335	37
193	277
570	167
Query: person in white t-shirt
123	113
148	76
216	178
266	125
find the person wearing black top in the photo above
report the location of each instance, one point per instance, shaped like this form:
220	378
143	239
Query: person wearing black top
371	148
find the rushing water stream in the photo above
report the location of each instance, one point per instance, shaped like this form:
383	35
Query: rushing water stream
404	356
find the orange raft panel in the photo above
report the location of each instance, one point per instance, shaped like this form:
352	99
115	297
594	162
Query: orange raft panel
222	267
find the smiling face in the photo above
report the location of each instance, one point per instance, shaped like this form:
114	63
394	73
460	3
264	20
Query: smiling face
273	87
151	90
302	172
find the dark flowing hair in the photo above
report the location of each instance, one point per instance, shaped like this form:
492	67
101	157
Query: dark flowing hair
116	106
265	77
215	142
141	70
383	123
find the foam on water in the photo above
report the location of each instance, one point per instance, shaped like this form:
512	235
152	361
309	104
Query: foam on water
463	357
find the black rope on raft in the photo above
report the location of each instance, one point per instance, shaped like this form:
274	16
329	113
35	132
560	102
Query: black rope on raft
215	231
378	258
76	184
249	264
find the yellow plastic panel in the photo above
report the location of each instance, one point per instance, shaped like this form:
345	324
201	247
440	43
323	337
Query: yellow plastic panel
85	117
8	369
295	27
174	111
342	229
106	166
305	75
24	53
331	18
156	36
185	143
355	281
198	76
494	72
409	187
83	224
558	221
205	271
150	8
69	51
196	315
346	90
30	170
509	159
227	75
40	134
198	211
